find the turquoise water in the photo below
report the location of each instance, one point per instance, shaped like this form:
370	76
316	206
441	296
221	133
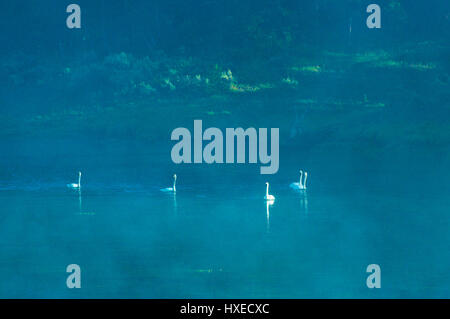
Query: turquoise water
216	238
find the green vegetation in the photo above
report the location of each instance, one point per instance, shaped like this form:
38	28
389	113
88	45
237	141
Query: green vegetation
351	97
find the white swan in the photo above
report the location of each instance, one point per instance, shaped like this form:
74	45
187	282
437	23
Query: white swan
304	180
268	197
74	185
300	184
171	189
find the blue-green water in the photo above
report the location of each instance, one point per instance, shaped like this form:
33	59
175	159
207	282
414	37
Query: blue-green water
216	238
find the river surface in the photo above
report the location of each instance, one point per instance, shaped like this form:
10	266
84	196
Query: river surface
217	238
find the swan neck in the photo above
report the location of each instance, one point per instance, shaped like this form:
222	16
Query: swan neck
300	183
267	190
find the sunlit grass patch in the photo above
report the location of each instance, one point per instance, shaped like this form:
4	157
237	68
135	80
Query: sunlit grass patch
422	67
401	64
309	68
290	81
388	64
223	112
371	57
237	87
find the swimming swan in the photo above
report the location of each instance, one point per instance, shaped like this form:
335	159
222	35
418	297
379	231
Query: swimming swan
268	197
300	185
171	189
76	186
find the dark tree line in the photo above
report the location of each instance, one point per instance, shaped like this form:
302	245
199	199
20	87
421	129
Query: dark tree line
197	27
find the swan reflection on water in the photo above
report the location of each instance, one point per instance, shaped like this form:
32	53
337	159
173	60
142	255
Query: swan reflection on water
304	202
175	206
300	187
268	204
79	200
80	205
